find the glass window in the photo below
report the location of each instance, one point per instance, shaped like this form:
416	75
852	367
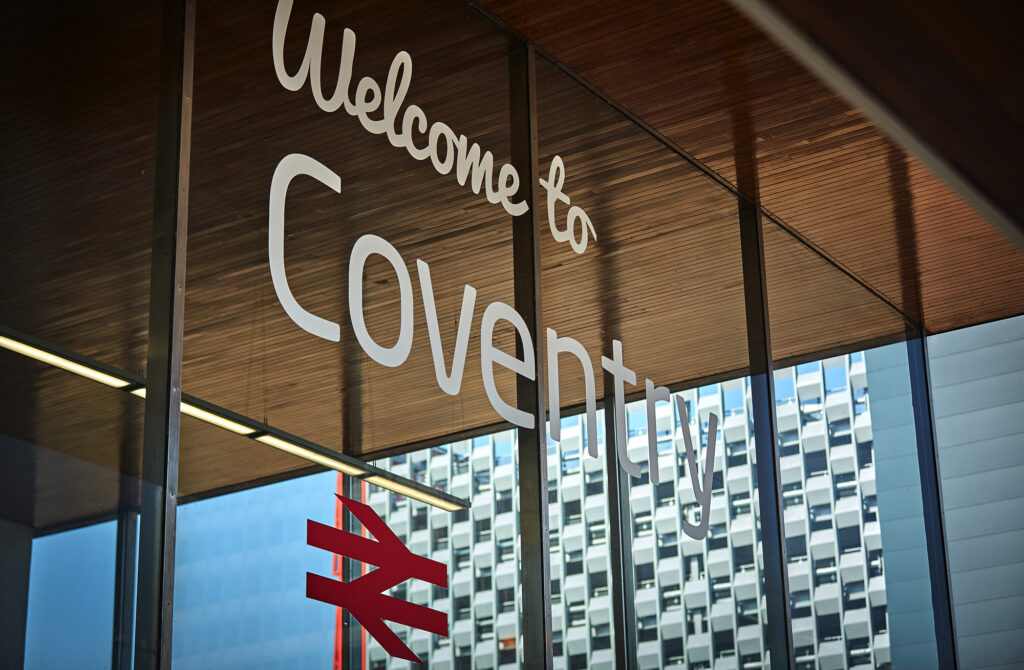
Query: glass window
977	383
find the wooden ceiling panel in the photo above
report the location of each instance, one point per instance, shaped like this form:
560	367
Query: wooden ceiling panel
689	70
664	275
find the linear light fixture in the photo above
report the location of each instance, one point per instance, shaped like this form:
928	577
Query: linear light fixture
309	455
62	363
415	494
208	417
228	420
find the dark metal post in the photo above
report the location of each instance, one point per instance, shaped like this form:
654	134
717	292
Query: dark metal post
352	632
535	578
620	539
127	544
931	493
762	378
762	395
159	486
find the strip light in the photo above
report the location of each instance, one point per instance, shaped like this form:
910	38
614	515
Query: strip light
415	494
62	363
208	417
310	455
230	421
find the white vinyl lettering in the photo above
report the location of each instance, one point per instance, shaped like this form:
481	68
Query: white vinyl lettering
620	375
291	166
369	99
698	531
554	184
558	345
365	246
489	355
382	111
654	394
449	383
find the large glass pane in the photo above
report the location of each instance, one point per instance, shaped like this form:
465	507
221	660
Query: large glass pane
71	598
977	384
240	571
79	85
581	570
699	596
853	515
656	288
854	523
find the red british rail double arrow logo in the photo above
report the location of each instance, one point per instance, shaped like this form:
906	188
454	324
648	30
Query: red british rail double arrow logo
364	597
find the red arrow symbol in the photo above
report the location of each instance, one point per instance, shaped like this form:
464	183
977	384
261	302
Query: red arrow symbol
364	597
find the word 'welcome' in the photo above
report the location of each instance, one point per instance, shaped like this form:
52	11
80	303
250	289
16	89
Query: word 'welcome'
443	148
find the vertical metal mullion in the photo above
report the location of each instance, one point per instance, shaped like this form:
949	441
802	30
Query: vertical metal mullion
535	578
931	493
352	642
159	483
762	375
620	522
762	393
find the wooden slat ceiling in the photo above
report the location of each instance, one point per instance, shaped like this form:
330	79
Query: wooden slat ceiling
686	68
664	276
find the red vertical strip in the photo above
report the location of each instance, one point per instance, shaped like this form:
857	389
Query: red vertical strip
336	569
362	498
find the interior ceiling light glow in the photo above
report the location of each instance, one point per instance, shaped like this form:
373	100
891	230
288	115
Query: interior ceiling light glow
132	384
215	419
62	363
415	494
309	455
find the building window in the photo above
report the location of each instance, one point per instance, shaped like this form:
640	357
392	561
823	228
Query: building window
570	461
481	481
461	557
462	608
697	621
746	613
506	548
600	637
671	597
642	524
503	503
574	562
571	512
439	538
484	629
419	519
647	628
598	584
645	576
483	579
665	494
482	530
829	628
824	571
668	545
672	650
800	604
577	613
506	600
743	558
595	533
595	483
